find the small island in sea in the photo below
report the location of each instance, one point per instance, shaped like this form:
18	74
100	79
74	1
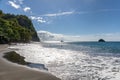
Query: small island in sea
101	40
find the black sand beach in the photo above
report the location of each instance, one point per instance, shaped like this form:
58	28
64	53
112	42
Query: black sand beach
12	71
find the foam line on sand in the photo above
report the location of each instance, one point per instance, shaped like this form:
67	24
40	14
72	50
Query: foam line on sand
11	71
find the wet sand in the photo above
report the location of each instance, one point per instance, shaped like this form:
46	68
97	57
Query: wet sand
12	71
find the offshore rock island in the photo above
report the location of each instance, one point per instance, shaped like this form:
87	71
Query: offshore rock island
101	40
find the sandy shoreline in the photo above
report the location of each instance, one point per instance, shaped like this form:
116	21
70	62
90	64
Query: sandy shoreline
12	71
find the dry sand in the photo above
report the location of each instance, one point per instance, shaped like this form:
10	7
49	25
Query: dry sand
12	71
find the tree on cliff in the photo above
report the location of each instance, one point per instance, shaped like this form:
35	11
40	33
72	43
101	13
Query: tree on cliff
17	28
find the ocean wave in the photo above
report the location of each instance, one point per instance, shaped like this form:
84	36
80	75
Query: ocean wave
70	64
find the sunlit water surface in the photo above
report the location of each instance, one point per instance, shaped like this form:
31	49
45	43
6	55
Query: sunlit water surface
75	60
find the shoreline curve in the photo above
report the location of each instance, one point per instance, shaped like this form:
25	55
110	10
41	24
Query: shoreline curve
13	71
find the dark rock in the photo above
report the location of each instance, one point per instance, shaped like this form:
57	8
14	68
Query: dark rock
14	57
61	41
3	40
101	40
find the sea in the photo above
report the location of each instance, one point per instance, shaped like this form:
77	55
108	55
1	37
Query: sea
74	60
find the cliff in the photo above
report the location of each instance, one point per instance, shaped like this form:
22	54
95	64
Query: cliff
16	28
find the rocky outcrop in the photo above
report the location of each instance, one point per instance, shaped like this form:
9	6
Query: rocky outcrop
101	40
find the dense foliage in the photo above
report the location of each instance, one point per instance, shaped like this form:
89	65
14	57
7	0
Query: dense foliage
16	28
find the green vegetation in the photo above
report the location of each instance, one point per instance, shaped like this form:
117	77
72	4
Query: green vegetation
16	28
14	57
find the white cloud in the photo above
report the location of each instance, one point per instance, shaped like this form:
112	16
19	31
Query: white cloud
33	18
79	12
59	14
109	36
18	1
13	4
38	19
26	9
18	4
41	21
47	36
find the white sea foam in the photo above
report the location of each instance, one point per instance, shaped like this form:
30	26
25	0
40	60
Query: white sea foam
71	65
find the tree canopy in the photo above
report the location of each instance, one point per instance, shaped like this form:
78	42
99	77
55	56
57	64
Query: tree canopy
17	28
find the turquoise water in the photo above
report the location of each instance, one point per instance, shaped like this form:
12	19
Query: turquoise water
98	47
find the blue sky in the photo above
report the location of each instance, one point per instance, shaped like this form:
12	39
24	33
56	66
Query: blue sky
70	17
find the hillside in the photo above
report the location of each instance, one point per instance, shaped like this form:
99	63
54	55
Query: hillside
16	28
